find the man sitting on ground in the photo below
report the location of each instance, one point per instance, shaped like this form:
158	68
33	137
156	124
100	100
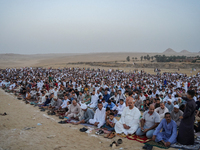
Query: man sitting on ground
161	110
177	115
88	114
169	131
129	121
94	100
42	99
57	104
110	104
149	122
28	95
169	105
64	106
119	107
73	110
99	116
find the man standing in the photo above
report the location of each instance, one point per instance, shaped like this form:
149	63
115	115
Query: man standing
186	128
129	121
149	122
176	115
161	110
99	116
169	131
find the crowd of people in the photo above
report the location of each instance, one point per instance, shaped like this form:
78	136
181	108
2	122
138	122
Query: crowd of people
146	104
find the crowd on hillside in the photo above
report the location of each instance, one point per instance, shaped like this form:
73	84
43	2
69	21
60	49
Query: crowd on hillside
144	102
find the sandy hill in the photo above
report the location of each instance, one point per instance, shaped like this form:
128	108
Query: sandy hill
47	60
169	51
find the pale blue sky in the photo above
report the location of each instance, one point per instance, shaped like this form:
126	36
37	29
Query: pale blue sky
84	26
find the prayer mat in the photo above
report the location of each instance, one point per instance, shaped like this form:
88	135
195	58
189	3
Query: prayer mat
159	145
196	146
87	125
141	139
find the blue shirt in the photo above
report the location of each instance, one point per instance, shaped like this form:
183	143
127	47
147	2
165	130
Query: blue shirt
111	106
47	102
106	97
169	131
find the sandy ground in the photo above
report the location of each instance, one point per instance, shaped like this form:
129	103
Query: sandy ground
62	60
48	136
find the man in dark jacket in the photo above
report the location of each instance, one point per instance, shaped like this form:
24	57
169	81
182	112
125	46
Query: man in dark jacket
186	128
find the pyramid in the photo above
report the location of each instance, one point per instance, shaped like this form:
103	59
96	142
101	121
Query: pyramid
184	51
169	50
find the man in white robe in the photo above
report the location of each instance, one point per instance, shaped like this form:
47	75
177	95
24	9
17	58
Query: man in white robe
120	107
99	116
94	100
129	121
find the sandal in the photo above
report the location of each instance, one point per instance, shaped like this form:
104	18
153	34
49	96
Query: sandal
4	114
62	122
52	113
61	117
99	132
106	136
112	135
42	109
83	129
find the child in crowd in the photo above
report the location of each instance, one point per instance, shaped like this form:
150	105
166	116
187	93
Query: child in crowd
110	123
110	104
118	109
146	106
107	113
104	103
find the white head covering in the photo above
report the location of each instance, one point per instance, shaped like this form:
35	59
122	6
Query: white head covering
169	100
83	106
176	106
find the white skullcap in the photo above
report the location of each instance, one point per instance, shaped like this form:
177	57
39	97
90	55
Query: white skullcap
169	100
176	106
83	106
55	97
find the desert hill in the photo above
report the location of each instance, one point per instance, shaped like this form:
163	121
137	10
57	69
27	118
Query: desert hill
57	59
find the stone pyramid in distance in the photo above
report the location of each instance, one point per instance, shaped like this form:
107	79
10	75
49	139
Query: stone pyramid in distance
169	51
184	52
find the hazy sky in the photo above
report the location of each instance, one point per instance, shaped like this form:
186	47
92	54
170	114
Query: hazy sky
72	26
